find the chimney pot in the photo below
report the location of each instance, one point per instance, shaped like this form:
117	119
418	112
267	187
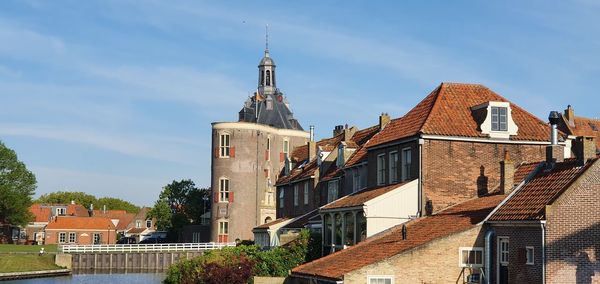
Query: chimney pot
312	133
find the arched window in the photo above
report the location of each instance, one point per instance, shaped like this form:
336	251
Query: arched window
262	78
268	78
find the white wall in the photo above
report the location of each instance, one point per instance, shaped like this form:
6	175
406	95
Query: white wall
392	208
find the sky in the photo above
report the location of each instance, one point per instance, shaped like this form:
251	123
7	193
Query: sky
116	98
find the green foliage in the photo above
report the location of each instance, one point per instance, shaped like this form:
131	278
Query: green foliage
275	263
17	186
65	197
180	203
116	204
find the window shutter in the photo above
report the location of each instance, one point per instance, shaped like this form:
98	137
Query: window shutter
232	152
216	152
216	197
266	155
281	157
230	197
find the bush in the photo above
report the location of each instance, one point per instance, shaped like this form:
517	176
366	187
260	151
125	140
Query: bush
238	264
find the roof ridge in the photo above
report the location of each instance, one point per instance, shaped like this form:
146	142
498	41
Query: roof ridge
433	105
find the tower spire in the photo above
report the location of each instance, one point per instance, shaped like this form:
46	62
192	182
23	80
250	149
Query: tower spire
267	39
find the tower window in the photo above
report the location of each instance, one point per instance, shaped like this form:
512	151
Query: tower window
223	190
224	145
268	78
262	78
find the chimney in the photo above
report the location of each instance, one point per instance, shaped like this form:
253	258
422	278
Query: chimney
104	209
584	148
404	231
73	202
384	119
348	133
507	174
91	210
312	133
570	116
338	130
554	152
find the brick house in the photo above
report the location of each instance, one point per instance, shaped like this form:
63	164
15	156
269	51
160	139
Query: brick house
576	126
80	230
453	141
43	213
141	227
441	248
547	230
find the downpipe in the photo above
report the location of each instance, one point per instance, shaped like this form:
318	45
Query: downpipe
489	239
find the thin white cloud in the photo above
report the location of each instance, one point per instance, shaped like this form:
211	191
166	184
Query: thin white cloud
164	150
18	42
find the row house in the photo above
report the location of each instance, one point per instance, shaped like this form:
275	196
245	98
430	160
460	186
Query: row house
540	226
313	176
451	144
80	231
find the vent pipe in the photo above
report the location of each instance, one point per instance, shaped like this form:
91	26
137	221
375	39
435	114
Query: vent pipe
312	133
554	118
404	231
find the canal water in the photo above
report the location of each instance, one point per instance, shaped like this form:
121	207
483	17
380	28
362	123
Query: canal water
99	278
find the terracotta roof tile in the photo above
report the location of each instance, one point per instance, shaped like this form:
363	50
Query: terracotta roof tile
447	111
136	230
585	127
529	202
41	213
73	222
360	197
389	243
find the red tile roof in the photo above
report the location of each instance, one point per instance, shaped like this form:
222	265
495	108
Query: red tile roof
389	243
72	222
447	111
359	198
300	222
40	213
77	210
529	202
136	230
300	155
584	127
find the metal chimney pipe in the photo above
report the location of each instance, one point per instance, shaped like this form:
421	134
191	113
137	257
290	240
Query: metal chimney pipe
312	133
554	118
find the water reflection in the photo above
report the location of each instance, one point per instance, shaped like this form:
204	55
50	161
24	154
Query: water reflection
94	277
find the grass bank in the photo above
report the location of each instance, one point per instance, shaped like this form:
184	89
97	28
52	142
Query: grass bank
26	262
26	248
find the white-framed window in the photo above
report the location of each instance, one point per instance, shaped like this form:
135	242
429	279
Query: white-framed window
223	190
503	250
296	195
499	119
470	257
380	279
529	253
72	237
281	197
380	169
224	145
61	211
332	191
393	166
148	223
406	163
138	223
305	193
223	235
286	148
97	238
62	237
339	162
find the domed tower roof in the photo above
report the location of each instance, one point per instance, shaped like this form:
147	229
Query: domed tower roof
266	60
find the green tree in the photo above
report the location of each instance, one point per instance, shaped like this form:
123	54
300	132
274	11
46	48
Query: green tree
116	204
162	212
17	186
65	197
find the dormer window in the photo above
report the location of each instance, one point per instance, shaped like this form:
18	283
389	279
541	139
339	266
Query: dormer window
499	119
495	119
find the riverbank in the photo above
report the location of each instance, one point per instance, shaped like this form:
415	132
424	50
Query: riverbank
24	262
34	274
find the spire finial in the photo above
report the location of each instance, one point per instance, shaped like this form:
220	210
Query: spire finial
267	38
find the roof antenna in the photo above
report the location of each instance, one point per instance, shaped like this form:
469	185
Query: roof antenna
267	38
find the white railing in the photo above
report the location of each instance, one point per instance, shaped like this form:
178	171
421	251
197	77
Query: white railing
143	247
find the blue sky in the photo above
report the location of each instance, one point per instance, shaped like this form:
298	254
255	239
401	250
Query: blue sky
115	98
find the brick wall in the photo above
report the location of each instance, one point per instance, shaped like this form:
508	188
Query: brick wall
435	262
456	171
291	210
520	237
573	234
